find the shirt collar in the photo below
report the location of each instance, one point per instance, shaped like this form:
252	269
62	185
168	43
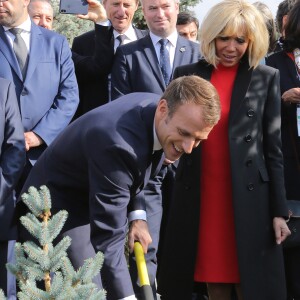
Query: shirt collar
129	33
172	38
26	26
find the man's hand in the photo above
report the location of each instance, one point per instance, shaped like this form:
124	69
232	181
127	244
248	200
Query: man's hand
138	231
96	12
32	140
281	229
291	95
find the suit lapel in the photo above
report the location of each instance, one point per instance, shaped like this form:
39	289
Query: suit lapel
204	70
7	51
150	55
180	50
140	33
241	85
36	49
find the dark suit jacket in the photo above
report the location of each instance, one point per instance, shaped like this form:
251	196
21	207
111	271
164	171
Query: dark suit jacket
136	68
94	168
290	138
257	187
12	156
48	97
93	54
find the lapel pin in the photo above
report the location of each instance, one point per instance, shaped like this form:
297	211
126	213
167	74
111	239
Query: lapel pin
182	49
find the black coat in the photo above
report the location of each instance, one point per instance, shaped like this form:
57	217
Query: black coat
290	138
257	186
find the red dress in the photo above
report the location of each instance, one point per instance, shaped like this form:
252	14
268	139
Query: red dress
217	254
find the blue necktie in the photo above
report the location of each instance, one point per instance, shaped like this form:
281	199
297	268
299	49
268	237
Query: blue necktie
164	61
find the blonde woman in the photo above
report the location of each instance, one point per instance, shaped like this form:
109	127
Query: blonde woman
227	220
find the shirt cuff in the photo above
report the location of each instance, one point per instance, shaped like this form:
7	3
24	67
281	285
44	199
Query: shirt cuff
104	23
128	298
137	215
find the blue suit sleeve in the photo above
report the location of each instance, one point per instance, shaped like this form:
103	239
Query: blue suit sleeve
65	103
12	158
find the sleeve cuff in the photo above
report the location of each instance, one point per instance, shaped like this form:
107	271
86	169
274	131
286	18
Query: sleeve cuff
104	23
128	298
137	215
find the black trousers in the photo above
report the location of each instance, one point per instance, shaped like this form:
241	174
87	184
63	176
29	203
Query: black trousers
292	272
3	261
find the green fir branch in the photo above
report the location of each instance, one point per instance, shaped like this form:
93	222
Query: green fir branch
91	268
55	224
2	296
33	201
57	286
45	198
37	254
67	268
59	252
31	223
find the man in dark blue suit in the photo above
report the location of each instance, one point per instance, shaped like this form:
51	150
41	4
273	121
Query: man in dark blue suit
138	68
100	164
12	160
46	86
93	51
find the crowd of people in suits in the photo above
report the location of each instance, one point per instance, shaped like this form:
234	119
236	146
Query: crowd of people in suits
103	126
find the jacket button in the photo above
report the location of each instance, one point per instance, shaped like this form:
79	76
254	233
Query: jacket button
186	187
248	138
250	113
249	163
250	186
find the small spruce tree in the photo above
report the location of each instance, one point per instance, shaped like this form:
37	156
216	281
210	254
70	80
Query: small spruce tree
47	263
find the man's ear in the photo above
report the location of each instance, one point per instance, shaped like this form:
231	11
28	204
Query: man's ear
162	107
26	3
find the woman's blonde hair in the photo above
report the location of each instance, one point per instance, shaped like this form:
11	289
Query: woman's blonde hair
228	18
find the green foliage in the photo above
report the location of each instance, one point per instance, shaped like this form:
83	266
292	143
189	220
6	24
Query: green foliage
48	263
139	20
2	296
69	25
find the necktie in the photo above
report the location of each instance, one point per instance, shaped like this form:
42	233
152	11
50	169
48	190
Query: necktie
121	39
164	61
20	49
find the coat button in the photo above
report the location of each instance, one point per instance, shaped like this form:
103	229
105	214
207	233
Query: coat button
248	138
250	113
249	163
250	186
186	187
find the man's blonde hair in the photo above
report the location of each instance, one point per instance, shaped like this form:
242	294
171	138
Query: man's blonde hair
194	89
